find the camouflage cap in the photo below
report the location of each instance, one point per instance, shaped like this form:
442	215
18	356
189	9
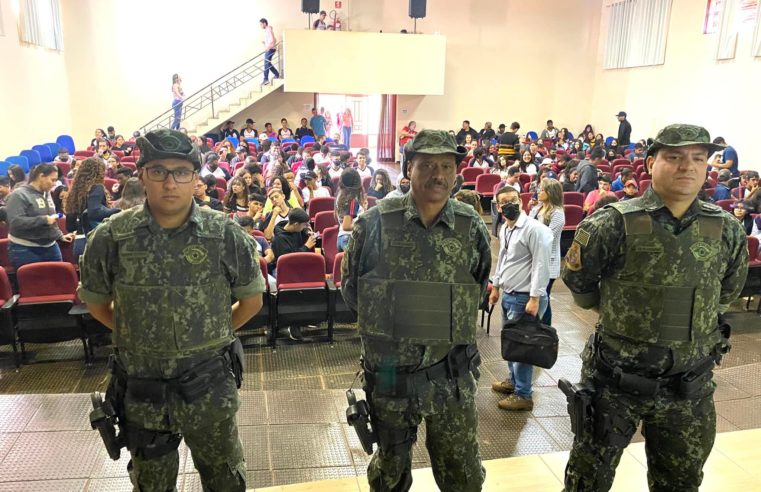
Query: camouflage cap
167	144
432	142
681	135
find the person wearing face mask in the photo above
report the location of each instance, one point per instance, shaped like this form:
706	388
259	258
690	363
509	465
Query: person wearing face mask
522	275
402	187
415	270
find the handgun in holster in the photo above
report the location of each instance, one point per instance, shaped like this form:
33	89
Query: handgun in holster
358	416
104	419
580	406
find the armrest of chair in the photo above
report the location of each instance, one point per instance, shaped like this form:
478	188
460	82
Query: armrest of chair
10	303
79	310
332	296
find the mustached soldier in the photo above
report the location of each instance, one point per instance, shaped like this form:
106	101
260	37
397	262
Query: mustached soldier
660	269
415	270
161	277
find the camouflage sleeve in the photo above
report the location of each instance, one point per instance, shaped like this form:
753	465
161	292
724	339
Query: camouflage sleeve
736	245
350	268
481	262
96	267
595	249
241	262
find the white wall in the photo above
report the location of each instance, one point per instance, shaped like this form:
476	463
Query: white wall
690	87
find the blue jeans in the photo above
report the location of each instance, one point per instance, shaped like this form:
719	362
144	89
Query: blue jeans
177	107
268	65
346	136
79	248
513	307
342	242
20	255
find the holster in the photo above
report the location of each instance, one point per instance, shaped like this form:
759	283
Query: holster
460	361
580	407
358	416
103	418
237	360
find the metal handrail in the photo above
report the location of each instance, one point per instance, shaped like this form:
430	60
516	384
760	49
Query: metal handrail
212	92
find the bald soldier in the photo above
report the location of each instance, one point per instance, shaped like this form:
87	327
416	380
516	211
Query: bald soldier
660	270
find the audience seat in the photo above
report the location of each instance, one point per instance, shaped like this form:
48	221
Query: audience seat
371	201
526	198
19	160
330	246
321	204
366	180
44	153
4	168
221	194
302	296
221	183
524	178
264	317
574	214
485	184
644	184
127	158
67	142
7	324
47	292
65	167
752	285
339	311
726	204
709	191
130	165
323	220
5	261
470	174
573	198
621	162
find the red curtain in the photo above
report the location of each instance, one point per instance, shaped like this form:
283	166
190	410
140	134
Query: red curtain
387	129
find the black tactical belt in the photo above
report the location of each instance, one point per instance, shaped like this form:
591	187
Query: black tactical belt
458	363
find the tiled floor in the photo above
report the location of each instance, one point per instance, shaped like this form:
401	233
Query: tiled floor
293	405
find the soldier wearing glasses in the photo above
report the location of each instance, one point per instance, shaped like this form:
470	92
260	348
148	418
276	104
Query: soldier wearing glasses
161	277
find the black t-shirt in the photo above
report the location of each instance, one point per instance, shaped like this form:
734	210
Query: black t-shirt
461	135
509	138
230	133
488	134
304	132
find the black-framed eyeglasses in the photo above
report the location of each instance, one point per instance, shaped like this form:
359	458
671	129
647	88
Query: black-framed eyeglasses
180	175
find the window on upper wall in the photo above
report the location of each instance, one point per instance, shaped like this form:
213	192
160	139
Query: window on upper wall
40	23
637	33
745	20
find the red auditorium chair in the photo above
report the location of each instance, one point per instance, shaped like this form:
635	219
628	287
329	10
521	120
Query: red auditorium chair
3	230
620	162
5	261
330	246
525	198
709	191
47	293
264	317
470	174
221	194
366	183
644	184
84	154
130	165
573	198
221	183
257	233
321	204
302	296
323	220
524	178
726	204
65	167
752	285
7	327
573	216
485	184
128	158
339	311
371	201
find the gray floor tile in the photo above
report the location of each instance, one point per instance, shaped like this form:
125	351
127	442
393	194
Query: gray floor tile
727	391
6	443
745	378
307	383
742	413
44	486
302	407
119	484
253	408
297	361
49	377
17	411
559	429
302	475
51	455
62	412
255	439
308	445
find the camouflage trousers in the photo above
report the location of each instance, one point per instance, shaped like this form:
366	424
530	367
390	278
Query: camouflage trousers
679	434
451	420
217	455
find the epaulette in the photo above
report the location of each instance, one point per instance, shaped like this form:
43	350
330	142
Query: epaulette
710	208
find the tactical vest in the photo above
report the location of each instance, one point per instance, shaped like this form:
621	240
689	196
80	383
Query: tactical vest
171	295
421	291
667	293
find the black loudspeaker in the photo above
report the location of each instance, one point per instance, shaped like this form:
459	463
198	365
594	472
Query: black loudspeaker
417	9
310	6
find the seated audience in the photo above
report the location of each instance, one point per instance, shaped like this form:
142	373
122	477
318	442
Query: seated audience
618	183
278	213
604	200
17	176
402	187
722	190
87	204
363	168
133	195
631	190
212	167
594	195
313	188
236	199
201	197
350	203
255	207
32	220
741	212
471	198
112	165
303	130
122	175
58	194
293	235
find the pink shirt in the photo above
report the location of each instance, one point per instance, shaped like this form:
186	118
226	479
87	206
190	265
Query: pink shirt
269	38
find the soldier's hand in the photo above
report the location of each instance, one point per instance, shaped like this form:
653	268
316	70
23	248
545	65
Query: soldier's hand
494	296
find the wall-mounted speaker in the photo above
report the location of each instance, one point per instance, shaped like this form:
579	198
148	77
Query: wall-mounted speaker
310	6
417	9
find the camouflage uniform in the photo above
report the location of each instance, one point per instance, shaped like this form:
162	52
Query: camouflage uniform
660	283
406	332
171	291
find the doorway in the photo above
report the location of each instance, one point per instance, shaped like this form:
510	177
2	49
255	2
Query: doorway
366	116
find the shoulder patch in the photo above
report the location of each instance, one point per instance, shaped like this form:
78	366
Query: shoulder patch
573	257
710	208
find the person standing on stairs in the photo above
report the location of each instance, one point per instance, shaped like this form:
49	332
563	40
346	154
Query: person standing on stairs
177	97
269	51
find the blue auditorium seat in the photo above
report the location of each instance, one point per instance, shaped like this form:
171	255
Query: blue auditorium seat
66	141
20	160
44	151
33	156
